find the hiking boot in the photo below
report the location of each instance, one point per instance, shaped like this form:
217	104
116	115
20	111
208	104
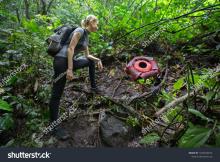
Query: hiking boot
61	134
95	90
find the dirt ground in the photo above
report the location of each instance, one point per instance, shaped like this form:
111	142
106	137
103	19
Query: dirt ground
84	128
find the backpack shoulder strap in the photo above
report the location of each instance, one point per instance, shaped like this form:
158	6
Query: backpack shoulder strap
83	31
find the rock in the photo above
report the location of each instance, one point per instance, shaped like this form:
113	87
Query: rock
114	132
4	63
13	55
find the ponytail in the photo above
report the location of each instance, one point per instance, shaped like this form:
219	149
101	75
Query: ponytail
85	22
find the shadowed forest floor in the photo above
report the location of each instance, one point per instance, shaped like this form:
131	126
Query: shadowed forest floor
84	126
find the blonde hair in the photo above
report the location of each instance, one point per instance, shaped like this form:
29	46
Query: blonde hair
85	22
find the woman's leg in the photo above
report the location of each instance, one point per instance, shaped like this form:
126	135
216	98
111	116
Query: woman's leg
60	66
82	62
59	81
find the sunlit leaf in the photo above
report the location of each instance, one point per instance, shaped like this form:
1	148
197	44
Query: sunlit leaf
199	114
150	138
5	106
178	84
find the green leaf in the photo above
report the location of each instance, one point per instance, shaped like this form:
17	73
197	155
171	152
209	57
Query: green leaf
178	84
5	106
132	121
12	80
6	121
141	81
150	138
209	96
194	137
172	113
199	114
217	139
31	25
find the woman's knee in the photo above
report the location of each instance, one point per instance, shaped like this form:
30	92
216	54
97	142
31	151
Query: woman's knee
91	62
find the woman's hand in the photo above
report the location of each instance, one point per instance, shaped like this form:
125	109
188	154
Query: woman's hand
100	66
69	74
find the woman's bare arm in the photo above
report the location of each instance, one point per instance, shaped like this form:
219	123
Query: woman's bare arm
100	66
70	52
90	56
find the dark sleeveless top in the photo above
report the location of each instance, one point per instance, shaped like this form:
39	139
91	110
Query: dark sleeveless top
81	45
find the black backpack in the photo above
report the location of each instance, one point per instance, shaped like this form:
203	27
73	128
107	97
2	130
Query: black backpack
59	38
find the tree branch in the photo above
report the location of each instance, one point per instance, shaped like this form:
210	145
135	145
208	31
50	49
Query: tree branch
166	20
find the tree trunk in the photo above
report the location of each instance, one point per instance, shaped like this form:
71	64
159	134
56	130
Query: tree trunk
44	7
18	15
38	7
26	3
49	5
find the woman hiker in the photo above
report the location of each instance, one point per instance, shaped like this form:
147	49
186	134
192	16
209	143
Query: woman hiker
66	61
